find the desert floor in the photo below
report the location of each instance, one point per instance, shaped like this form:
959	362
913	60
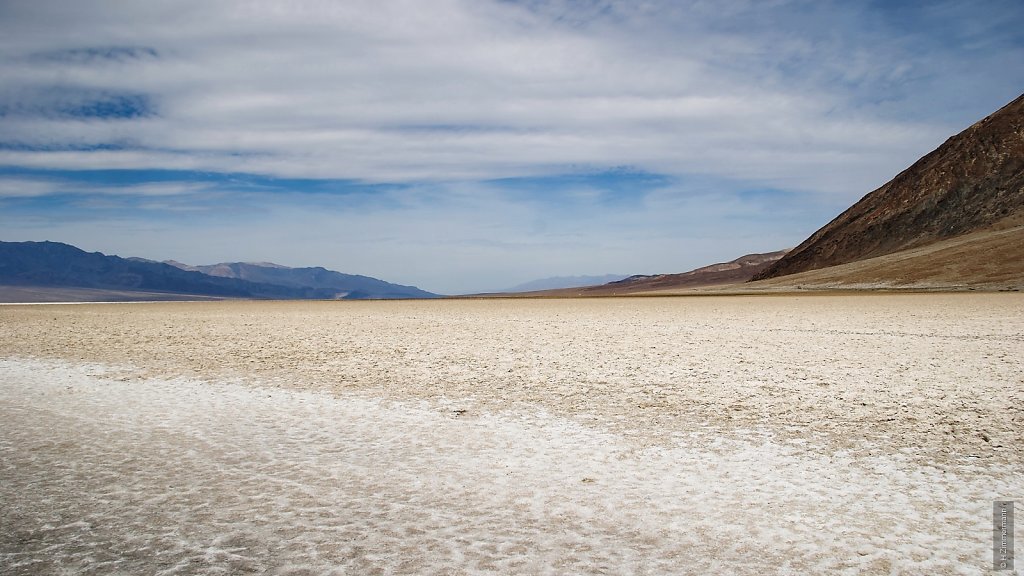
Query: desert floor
728	435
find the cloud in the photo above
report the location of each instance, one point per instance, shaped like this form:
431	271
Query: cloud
331	89
26	188
446	103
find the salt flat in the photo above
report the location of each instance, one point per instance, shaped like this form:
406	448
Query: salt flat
746	435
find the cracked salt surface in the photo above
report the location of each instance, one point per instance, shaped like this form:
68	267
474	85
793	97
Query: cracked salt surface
182	477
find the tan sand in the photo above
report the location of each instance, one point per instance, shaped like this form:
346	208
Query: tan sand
821	434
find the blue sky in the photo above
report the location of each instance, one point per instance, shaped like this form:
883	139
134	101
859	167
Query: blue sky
465	145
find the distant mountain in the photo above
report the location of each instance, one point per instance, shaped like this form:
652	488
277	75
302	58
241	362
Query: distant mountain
56	264
971	184
348	286
52	264
556	282
733	272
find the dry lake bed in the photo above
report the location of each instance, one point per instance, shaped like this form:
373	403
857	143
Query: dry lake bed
814	434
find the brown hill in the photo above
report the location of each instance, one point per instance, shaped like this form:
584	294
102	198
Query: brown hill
733	272
969	184
988	259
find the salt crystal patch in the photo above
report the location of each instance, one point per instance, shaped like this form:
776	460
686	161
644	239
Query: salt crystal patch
179	476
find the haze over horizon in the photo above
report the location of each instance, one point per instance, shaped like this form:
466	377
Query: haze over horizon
462	145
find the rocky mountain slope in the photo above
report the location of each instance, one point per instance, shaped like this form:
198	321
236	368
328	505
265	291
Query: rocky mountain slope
971	183
989	259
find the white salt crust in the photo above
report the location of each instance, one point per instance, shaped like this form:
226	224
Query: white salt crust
177	476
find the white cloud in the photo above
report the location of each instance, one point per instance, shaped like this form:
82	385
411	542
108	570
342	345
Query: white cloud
16	187
338	90
821	100
26	187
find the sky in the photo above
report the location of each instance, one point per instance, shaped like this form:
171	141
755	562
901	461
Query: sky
470	145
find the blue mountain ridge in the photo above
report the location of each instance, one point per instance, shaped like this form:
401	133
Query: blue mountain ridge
54	264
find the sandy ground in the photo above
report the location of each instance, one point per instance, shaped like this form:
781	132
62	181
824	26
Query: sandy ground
742	435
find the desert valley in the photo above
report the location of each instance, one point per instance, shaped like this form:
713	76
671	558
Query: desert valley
850	404
794	434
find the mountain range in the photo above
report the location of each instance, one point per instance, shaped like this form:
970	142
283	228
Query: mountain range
45	266
321	280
